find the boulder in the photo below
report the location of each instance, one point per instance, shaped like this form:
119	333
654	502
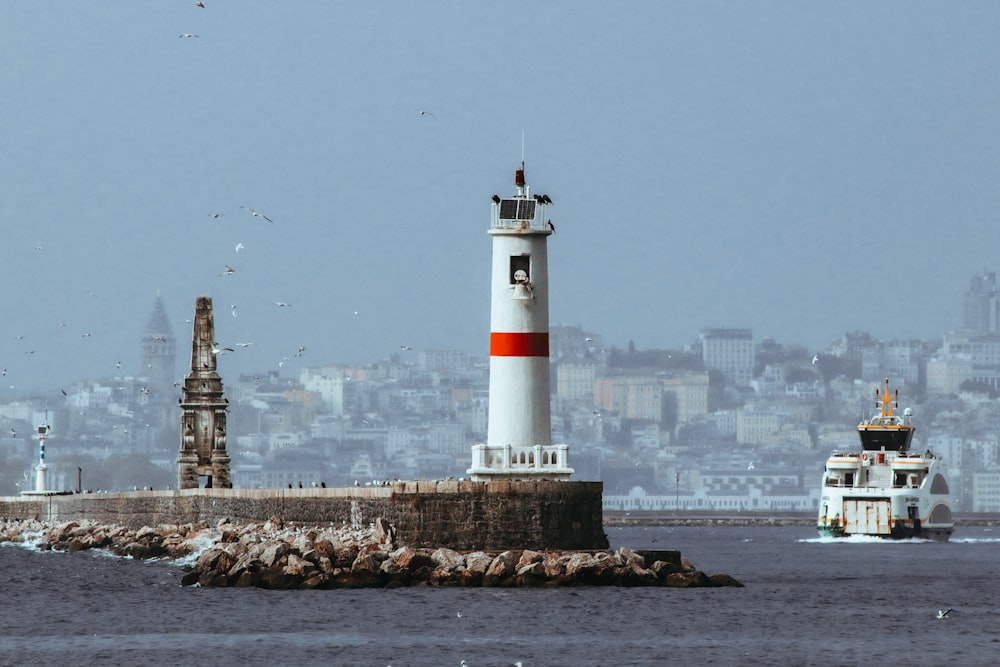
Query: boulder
477	562
529	557
580	567
273	553
501	568
298	566
720	580
692	579
448	559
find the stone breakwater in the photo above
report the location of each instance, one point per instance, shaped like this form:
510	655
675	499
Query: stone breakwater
278	556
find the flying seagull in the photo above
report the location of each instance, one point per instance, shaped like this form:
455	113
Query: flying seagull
256	214
187	34
229	271
815	358
425	113
239	246
282	304
942	613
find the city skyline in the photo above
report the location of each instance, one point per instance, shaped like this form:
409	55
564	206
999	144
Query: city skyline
776	167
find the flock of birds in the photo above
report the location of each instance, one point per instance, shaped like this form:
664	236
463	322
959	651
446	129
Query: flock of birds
231	269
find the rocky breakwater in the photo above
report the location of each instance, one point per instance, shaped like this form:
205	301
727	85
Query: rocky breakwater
272	555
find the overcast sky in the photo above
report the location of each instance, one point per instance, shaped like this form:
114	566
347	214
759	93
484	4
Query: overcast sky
800	169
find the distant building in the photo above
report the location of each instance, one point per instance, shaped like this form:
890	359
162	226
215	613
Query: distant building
442	360
328	386
965	358
690	392
158	357
980	305
729	351
575	380
631	396
986	491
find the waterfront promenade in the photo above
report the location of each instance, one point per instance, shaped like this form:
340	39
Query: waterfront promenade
729	518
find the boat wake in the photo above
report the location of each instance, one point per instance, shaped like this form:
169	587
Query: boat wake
975	540
863	539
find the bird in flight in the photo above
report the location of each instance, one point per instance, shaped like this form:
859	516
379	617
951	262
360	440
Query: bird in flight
215	215
405	347
244	344
942	613
200	4
220	350
229	271
256	214
421	112
282	304
186	34
240	246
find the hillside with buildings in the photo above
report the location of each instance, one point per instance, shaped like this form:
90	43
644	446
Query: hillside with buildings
725	422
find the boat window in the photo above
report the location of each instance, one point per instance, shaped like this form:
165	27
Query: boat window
939	485
849	479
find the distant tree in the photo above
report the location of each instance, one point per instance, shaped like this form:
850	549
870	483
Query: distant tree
664	359
799	374
828	365
770	353
668	411
978	387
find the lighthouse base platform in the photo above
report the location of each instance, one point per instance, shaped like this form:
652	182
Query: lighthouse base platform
461	515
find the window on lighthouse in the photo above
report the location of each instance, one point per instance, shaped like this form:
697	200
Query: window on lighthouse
520	269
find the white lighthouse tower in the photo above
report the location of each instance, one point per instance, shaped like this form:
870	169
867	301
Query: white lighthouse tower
41	470
519	433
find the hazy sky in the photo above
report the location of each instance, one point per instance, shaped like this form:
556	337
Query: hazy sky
801	169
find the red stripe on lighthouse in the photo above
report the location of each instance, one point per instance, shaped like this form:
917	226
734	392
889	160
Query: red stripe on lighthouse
535	344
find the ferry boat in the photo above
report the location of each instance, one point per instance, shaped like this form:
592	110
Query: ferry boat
885	490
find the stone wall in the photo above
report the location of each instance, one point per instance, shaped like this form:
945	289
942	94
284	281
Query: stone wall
459	515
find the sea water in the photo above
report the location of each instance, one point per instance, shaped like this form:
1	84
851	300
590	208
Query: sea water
807	601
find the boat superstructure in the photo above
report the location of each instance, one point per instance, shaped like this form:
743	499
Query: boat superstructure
885	490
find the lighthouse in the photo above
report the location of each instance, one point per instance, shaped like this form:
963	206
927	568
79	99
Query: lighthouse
519	431
41	470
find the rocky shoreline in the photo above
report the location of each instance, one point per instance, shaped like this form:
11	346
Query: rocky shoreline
275	556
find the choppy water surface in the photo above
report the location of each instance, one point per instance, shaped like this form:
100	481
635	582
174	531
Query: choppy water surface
807	601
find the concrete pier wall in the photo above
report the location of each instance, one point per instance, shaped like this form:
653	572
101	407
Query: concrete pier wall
460	515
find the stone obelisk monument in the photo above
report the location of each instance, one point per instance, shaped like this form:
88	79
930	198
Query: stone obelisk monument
203	411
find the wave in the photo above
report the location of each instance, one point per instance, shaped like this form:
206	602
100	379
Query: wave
863	539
